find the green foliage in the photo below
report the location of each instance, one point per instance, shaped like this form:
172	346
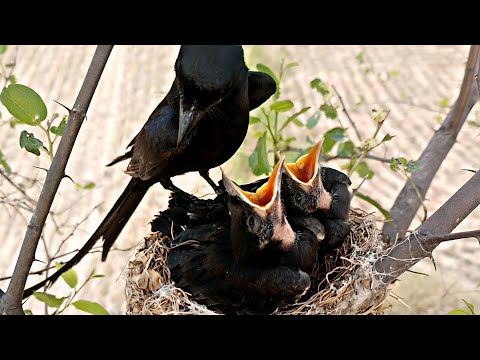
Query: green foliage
470	310
24	104
3	48
88	186
29	142
90	307
258	160
49	299
61	304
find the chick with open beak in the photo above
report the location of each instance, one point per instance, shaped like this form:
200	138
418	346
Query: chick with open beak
321	192
251	263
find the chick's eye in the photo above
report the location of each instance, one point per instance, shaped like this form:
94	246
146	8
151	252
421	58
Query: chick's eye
251	222
298	198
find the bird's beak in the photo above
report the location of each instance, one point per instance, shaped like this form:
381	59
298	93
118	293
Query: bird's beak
267	203
306	172
265	197
305	169
187	121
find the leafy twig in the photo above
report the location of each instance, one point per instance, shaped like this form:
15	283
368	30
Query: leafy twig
13	305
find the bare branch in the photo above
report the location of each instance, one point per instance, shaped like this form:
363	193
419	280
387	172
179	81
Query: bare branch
420	244
407	203
6	177
52	182
359	136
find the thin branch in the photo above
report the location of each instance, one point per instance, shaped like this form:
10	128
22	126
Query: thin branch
6	177
13	305
455	236
359	136
407	202
420	244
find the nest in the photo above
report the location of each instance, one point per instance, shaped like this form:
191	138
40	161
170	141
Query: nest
341	282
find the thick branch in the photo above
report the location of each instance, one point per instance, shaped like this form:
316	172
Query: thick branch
54	176
423	241
407	203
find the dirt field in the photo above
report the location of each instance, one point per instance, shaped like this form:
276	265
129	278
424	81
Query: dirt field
136	79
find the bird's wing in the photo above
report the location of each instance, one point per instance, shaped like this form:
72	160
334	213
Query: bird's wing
155	144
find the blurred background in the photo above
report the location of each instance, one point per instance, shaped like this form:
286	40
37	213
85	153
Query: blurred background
416	84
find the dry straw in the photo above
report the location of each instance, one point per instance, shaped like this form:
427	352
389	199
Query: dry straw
341	283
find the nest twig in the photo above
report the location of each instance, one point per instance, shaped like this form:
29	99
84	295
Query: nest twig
340	283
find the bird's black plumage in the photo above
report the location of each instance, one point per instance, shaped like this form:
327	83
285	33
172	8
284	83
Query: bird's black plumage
200	124
253	262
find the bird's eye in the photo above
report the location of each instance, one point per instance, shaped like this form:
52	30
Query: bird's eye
298	198
251	222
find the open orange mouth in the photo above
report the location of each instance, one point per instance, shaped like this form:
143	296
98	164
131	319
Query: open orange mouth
264	196
306	167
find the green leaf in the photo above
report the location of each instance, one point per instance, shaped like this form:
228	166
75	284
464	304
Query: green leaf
330	111
394	164
290	65
458	312
394	73
444	103
30	142
297	122
267	70
331	137
346	149
27	312
364	171
320	86
328	144
24	103
337	134
439	118
98	276
375	203
386	138
90	307
313	120
3	48
253	120
282	106
88	186
471	307
60	129
70	276
49	299
12	79
258	160
360	57
4	164
412	166
380	117
294	117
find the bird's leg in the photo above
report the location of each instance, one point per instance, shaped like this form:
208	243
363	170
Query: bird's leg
167	184
215	187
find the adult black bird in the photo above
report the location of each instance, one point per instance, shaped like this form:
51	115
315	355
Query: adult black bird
322	192
252	263
200	124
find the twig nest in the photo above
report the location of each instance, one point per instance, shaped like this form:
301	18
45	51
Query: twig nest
341	282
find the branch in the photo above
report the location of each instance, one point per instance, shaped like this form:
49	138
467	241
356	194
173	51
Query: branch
407	203
54	176
420	244
455	236
347	114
